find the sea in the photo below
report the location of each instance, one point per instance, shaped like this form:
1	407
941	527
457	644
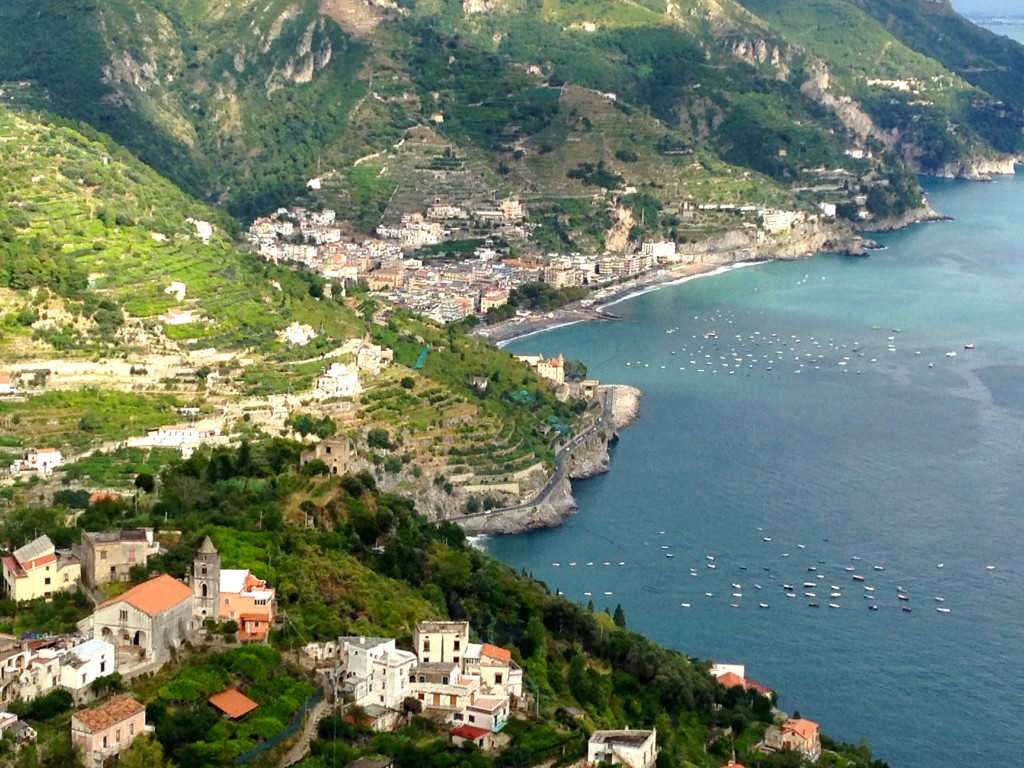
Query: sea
852	428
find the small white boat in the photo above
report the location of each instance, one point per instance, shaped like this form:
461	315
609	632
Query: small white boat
737	594
879	567
968	346
951	354
809	594
664	546
810	584
711	558
762	605
556	565
869	589
939	599
903	597
737	586
685	605
836	594
607	594
942	610
990	567
766	538
788	587
708	594
849	568
801	546
791	594
833	605
711	566
941	565
669	554
588	594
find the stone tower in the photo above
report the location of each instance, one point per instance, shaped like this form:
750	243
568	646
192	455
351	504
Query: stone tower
206	581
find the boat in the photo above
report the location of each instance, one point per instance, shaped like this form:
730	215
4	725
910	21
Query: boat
588	594
833	605
903	597
869	597
607	594
762	605
791	594
942	610
813	605
766	538
556	565
833	586
969	346
901	590
737	586
708	594
685	605
788	587
990	567
856	577
869	589
939	599
879	567
836	594
951	354
872	607
849	568
737	594
664	546
573	563
810	584
669	554
811	569
906	609
711	558
809	594
711	566
734	605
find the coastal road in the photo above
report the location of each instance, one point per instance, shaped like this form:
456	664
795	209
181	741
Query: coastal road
607	406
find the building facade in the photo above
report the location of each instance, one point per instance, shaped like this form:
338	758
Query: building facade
37	570
109	556
206	581
632	748
441	641
108	729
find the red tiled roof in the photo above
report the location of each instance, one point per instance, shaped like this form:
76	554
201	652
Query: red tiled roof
803	728
113	712
495	652
11	564
233	703
470	732
154	596
731	680
753	685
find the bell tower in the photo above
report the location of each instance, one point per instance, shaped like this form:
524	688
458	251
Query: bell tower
206	581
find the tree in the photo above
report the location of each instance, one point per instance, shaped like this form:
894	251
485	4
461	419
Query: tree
575	370
378	438
620	616
145	752
145	482
407	382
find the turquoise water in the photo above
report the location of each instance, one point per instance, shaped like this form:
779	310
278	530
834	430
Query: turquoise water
905	459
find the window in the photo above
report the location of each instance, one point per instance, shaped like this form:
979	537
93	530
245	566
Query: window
205	588
83	679
117	736
103	555
227	601
328	449
113	570
419	696
444	680
46	580
457	642
497	678
104	742
472	718
131	729
103	666
426	643
66	578
123	615
261	602
204	570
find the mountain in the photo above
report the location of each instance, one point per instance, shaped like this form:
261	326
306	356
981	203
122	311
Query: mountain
241	102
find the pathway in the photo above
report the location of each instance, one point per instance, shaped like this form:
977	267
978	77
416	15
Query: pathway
297	752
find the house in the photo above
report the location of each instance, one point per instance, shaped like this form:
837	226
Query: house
335	452
440	687
375	671
104	731
482	737
177	316
109	556
337	381
373	358
38	570
552	369
84	664
232	703
800	735
22	732
147	621
499	674
486	712
6	385
42	461
248	601
441	641
632	748
40	675
727	676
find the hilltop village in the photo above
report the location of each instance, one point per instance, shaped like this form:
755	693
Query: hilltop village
470	688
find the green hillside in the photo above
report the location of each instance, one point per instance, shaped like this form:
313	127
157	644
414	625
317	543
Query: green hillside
241	102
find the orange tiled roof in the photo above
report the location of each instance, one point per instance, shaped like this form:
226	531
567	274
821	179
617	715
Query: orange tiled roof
495	652
803	728
233	703
113	712
731	680
154	596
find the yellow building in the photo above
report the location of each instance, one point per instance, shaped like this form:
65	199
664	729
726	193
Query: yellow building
37	570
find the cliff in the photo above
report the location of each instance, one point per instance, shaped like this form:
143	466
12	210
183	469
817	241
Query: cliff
588	459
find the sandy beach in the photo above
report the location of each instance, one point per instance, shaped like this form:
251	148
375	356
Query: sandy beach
520	327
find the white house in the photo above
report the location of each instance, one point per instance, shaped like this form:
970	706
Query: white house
634	749
376	672
178	316
6	386
441	687
338	381
39	460
499	674
83	664
486	712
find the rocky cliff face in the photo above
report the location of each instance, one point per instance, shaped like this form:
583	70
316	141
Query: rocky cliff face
591	458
